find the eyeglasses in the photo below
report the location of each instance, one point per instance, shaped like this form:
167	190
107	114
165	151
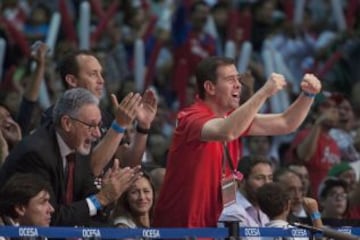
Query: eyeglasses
91	127
340	196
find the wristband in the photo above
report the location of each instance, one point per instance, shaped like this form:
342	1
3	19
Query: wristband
95	201
142	130
315	216
310	95
117	128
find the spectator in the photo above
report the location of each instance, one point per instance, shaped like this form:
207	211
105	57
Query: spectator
257	171
345	172
134	208
334	201
10	132
275	201
82	69
261	146
191	43
59	153
25	201
294	186
313	145
344	132
303	173
197	148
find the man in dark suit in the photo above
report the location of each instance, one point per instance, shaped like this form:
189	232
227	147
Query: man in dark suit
82	69
77	121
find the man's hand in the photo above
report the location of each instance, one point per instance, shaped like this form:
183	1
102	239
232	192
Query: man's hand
145	114
39	55
125	112
310	84
116	181
310	205
275	83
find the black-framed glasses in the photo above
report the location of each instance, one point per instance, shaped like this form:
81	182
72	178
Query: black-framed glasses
91	127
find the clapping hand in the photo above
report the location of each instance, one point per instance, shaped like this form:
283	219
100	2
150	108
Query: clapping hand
146	112
116	181
125	111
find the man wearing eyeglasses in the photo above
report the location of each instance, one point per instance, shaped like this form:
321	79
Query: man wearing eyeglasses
82	69
60	154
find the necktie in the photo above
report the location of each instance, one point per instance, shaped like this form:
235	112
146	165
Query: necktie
70	178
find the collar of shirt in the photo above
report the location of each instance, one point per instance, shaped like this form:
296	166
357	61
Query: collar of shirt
64	149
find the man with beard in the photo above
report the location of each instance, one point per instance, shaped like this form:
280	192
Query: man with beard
60	154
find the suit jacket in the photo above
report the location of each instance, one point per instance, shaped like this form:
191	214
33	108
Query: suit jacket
39	153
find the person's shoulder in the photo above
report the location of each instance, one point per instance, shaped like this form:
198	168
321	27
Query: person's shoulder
197	110
124	222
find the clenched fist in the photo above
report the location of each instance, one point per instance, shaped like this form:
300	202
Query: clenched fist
275	83
310	84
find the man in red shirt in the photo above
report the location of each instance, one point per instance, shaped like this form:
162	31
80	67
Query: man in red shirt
191	193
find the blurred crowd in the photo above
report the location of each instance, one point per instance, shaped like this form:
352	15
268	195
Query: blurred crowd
321	160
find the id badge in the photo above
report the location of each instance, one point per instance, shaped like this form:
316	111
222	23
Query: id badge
228	188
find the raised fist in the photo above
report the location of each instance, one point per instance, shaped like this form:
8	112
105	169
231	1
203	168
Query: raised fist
310	84
274	83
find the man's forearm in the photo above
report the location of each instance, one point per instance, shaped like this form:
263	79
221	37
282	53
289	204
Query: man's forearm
32	91
297	112
104	151
307	147
132	155
240	119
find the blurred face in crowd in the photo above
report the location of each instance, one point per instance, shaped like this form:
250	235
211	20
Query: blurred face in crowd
37	212
199	16
259	145
329	110
226	91
346	113
90	75
260	174
349	177
294	186
141	196
335	202
303	173
83	129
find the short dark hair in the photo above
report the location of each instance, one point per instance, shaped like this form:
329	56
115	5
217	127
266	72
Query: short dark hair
207	70
69	64
246	164
273	198
19	190
328	184
283	171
